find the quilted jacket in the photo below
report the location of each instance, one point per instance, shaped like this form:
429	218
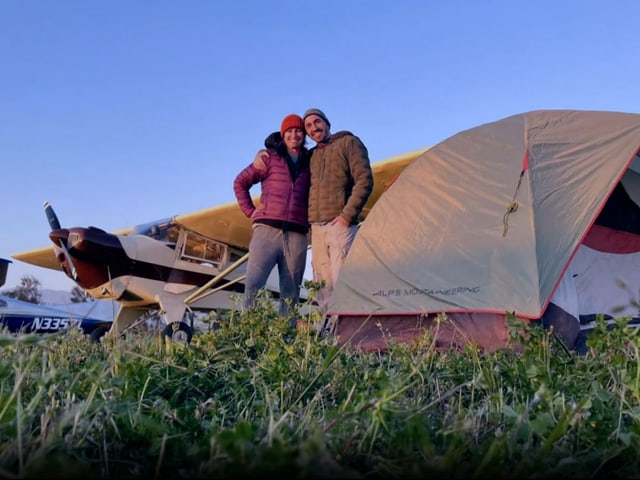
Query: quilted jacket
284	199
342	179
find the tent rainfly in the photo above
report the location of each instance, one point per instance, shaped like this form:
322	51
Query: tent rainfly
535	214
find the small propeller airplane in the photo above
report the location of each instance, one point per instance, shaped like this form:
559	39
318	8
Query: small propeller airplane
186	263
17	316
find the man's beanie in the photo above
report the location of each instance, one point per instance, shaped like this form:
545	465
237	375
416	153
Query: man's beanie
291	121
318	112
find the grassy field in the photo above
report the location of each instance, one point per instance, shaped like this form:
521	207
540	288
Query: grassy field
254	398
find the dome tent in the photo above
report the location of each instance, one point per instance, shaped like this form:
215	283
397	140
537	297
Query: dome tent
487	223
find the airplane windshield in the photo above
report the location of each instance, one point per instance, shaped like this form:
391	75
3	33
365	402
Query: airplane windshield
205	251
166	230
193	246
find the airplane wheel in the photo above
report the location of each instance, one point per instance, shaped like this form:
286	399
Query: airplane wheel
97	334
182	334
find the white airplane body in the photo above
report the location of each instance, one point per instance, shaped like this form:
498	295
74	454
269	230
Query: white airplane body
194	261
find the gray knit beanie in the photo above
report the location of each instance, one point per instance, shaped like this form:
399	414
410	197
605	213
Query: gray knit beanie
318	112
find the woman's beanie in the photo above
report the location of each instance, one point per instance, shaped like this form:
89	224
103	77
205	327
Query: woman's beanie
291	121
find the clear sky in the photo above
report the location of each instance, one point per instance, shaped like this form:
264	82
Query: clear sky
122	112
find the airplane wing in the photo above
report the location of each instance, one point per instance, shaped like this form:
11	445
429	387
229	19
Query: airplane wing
384	172
41	257
46	257
226	223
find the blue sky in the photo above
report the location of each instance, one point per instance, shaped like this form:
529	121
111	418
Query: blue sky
125	111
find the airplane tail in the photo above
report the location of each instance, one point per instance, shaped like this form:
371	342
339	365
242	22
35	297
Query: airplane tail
4	267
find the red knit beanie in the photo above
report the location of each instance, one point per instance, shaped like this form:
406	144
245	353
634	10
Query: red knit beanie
291	121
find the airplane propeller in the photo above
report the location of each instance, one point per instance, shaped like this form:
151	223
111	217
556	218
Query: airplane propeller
54	223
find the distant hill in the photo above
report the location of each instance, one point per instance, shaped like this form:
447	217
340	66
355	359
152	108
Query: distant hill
55	297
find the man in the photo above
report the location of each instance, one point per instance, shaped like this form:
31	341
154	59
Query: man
341	183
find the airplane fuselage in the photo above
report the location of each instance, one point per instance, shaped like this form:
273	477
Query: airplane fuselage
131	269
143	273
22	317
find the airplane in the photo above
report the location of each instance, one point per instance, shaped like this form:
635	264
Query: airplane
178	265
17	316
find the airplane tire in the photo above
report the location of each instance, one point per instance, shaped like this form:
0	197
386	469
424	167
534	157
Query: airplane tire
183	334
97	334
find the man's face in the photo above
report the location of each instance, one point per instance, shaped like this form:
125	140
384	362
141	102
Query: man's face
316	128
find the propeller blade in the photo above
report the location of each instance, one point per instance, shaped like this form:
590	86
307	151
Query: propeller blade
67	256
51	216
54	223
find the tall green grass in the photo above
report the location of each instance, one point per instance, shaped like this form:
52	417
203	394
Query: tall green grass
255	398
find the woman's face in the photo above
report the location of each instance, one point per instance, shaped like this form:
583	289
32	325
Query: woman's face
293	138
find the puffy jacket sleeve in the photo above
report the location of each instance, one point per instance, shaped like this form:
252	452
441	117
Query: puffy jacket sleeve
241	186
362	179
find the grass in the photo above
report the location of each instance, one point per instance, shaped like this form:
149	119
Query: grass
254	398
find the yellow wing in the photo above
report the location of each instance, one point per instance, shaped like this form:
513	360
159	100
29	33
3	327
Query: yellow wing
41	257
226	223
45	256
384	172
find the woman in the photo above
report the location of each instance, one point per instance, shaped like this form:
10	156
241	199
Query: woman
280	225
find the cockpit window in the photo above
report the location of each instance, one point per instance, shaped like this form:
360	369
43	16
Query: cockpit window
203	250
165	230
